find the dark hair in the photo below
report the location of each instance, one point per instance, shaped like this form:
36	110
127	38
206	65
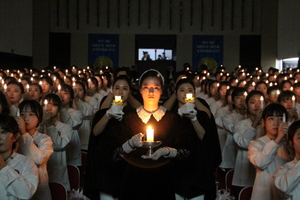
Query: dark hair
4	104
238	91
296	85
274	109
284	82
252	93
69	89
183	81
259	83
182	73
285	95
82	85
272	88
210	85
125	78
47	79
54	98
154	74
222	83
292	129
9	124
35	107
18	84
94	81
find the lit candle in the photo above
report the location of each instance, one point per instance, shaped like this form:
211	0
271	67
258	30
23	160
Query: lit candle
54	78
54	67
189	98
73	79
291	88
19	80
67	71
46	104
88	67
18	112
40	82
283	118
31	78
27	87
59	88
294	101
245	94
261	102
5	88
89	82
30	71
74	84
150	134
118	101
278	92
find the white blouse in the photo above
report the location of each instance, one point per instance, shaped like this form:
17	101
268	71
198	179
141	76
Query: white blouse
74	118
19	178
287	179
39	148
61	135
244	171
266	156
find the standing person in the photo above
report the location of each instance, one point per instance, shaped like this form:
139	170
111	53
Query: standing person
34	144
153	174
267	153
229	122
194	177
15	91
286	177
244	132
104	176
70	115
61	135
18	173
94	91
87	111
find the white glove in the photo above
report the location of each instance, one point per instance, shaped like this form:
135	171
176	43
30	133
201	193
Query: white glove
188	110
115	111
166	152
131	144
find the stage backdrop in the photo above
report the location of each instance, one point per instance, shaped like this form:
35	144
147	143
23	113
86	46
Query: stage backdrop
207	50
103	50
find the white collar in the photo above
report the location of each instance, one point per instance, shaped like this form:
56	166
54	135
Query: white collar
145	116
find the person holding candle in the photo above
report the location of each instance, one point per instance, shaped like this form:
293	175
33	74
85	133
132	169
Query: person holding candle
285	85
244	132
15	91
139	175
18	173
35	92
223	87
46	85
286	99
269	152
194	177
104	176
34	144
263	87
69	114
61	135
273	93
93	90
286	177
229	121
86	110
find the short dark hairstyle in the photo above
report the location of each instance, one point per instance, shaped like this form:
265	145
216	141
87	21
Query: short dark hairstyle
284	95
69	89
9	124
4	104
152	73
18	84
274	109
292	129
35	107
252	93
54	98
125	78
183	81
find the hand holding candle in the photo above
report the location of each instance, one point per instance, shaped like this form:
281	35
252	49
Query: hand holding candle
150	134
189	98
294	101
283	118
118	101
46	104
261	102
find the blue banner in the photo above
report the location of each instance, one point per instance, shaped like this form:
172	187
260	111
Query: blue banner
103	50
207	50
